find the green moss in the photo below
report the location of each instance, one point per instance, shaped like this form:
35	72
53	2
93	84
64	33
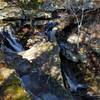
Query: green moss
13	80
16	92
12	89
1	79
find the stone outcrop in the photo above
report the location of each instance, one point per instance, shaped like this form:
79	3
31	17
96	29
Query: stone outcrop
82	48
8	11
11	12
10	84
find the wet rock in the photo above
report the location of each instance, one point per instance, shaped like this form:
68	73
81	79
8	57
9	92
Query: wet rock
49	96
17	62
10	84
22	65
27	82
50	5
96	3
9	39
68	50
38	84
36	98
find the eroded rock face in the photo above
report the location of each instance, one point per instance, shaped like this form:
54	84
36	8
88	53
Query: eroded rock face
20	64
10	12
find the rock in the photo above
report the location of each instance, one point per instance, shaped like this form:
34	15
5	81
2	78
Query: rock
11	12
54	71
22	65
3	5
68	51
39	22
73	39
17	62
12	89
11	85
5	72
35	82
27	82
83	50
38	83
51	5
48	6
95	45
43	15
36	98
36	50
49	96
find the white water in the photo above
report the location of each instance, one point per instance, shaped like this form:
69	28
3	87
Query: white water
72	81
8	34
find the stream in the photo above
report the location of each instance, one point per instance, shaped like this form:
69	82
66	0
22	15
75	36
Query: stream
10	41
13	45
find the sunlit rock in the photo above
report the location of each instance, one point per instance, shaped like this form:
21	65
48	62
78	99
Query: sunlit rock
43	15
3	5
11	12
74	38
36	50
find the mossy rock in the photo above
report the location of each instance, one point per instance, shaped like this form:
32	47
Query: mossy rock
10	84
12	90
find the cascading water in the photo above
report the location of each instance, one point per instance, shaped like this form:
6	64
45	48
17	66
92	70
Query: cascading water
10	41
71	79
69	75
66	70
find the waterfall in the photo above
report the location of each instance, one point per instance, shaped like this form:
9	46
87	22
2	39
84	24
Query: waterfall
73	82
10	40
69	75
